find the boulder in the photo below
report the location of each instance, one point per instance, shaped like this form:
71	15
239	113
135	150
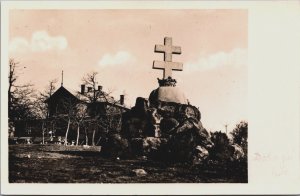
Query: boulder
187	125
188	111
187	140
204	137
201	152
200	155
167	110
167	125
139	172
149	146
155	148
238	152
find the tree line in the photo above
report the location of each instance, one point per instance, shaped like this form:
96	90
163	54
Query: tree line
25	103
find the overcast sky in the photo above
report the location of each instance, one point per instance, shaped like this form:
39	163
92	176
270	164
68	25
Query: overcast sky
119	44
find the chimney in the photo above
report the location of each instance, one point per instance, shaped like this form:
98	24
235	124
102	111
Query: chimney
99	88
122	99
89	89
82	89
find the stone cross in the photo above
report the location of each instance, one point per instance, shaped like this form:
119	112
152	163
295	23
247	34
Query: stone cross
167	65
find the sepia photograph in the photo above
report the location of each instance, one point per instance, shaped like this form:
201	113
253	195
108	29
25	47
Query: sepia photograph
92	100
126	96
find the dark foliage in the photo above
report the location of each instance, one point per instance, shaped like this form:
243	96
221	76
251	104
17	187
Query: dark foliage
240	135
221	150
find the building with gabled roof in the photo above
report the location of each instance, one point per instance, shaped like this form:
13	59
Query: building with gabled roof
60	102
96	100
101	103
100	106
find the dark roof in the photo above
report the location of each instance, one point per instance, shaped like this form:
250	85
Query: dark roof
102	98
61	92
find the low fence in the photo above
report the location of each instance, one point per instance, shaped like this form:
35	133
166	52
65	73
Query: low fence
57	147
53	146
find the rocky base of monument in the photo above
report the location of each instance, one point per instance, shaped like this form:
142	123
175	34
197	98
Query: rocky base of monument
167	131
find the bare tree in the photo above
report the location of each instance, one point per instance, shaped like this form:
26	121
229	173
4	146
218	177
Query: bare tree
20	97
41	107
90	80
69	107
41	113
103	109
48	92
12	78
80	117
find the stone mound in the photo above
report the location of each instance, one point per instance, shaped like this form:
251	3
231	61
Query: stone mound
166	130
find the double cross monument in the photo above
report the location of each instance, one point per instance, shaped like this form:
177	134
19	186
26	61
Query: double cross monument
167	65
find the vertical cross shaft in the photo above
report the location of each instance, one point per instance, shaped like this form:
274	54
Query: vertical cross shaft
168	49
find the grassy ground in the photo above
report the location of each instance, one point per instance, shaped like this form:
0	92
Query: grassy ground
48	164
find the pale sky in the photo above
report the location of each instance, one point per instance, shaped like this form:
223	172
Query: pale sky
119	44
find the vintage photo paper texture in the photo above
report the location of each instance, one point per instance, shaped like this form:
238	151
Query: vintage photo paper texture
126	97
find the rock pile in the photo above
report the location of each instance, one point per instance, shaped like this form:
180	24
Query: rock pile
166	130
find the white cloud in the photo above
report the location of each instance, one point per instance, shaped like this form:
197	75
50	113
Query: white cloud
40	41
118	58
236	58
